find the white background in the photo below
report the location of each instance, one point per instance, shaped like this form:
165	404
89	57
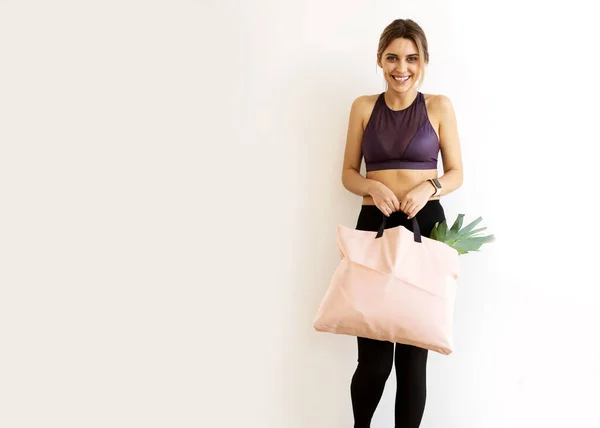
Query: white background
170	186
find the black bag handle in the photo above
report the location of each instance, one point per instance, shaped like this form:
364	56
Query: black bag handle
415	225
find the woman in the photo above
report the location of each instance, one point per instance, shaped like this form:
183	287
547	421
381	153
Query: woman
399	133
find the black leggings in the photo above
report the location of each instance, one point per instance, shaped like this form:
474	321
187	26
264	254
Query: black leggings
375	358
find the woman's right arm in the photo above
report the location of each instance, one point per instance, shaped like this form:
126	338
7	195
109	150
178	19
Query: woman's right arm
351	177
352	180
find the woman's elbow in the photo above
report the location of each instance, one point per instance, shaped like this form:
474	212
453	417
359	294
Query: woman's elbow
459	178
348	174
344	178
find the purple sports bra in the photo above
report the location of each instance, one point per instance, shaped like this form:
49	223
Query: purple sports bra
402	139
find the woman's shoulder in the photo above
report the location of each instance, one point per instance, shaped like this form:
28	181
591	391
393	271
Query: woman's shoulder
438	102
363	106
365	103
365	100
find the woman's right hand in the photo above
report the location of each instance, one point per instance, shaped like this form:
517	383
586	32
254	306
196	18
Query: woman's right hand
384	198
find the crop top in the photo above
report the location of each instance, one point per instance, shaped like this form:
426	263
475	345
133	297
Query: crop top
400	139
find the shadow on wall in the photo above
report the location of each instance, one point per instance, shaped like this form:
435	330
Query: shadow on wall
317	366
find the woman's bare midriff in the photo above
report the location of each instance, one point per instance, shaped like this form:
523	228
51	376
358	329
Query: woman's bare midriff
401	181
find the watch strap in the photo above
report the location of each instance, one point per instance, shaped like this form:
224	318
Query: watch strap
437	185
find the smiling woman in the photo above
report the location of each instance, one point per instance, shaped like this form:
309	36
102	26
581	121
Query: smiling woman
399	133
391	60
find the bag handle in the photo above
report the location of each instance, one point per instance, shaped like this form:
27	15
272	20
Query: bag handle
415	225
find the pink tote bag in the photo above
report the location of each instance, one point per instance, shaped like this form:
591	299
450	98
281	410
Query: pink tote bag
393	285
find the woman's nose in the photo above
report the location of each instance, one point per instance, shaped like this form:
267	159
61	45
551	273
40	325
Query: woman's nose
402	67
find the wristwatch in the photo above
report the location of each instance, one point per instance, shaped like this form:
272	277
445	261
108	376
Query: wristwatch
436	184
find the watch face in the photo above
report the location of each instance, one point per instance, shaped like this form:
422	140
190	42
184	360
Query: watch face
437	183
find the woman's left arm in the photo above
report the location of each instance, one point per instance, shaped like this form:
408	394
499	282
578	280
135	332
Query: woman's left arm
452	178
449	147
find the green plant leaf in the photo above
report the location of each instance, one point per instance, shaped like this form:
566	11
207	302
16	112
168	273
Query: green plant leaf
473	232
457	223
442	230
451	235
468	228
482	239
472	244
463	240
434	232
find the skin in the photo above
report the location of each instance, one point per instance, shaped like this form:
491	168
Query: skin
403	190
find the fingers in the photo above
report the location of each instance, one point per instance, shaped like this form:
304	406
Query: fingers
410	210
386	206
406	203
390	205
413	210
410	206
386	209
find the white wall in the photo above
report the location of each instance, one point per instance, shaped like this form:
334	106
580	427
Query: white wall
170	185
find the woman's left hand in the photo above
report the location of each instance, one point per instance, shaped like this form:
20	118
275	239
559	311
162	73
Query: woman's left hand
416	199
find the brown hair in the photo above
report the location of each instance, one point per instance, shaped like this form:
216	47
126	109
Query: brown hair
407	29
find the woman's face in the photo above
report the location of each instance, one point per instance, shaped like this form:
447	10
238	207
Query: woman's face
399	61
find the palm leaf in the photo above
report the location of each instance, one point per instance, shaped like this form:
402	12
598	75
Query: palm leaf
442	230
434	232
462	239
470	226
473	232
457	223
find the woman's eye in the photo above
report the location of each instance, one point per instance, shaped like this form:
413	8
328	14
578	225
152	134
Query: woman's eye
411	59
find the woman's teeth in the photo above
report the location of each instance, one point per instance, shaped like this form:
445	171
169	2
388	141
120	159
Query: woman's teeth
401	79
